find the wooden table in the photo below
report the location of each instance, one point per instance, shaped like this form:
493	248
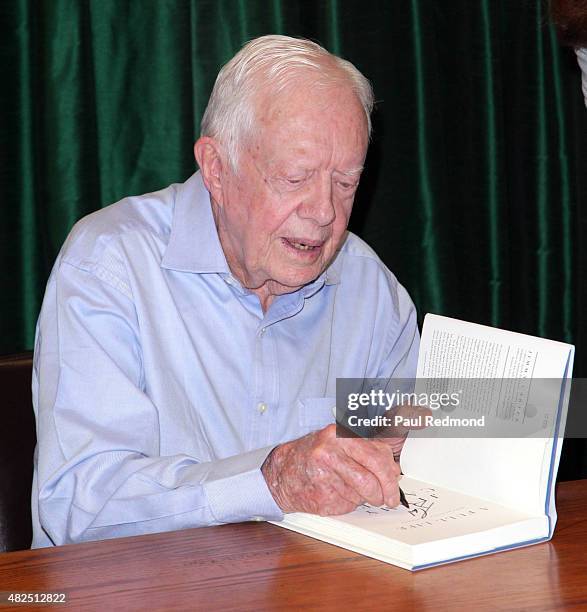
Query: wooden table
257	566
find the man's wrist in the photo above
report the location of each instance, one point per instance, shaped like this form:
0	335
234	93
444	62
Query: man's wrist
271	470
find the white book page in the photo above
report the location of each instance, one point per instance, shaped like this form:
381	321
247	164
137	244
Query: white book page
509	471
439	525
451	348
434	514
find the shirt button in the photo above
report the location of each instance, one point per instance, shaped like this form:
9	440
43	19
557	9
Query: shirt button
262	331
262	407
257	519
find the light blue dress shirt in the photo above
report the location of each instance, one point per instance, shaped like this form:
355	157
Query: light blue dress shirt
159	384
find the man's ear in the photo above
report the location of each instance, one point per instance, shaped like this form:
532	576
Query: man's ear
208	154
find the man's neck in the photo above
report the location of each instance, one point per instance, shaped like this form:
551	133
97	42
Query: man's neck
269	291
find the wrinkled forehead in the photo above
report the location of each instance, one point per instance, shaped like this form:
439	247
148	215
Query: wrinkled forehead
310	129
308	101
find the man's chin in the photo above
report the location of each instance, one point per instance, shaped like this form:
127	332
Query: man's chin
293	282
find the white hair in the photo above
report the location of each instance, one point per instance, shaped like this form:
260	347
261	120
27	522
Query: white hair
273	61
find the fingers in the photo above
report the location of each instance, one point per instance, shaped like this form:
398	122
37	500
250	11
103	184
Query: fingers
376	458
365	466
361	483
335	458
337	497
404	419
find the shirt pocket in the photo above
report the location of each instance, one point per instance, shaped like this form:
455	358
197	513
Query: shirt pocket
316	413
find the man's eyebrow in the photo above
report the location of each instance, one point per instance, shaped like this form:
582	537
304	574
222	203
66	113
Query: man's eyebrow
352	171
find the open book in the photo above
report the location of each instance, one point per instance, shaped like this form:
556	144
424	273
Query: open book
475	495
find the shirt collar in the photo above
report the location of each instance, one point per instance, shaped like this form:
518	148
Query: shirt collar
192	216
332	273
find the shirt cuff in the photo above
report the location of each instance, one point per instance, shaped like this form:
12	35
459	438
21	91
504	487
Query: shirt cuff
237	491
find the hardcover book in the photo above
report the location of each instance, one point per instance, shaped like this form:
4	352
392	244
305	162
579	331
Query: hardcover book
469	494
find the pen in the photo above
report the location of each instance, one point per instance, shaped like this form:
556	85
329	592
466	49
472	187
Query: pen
402	498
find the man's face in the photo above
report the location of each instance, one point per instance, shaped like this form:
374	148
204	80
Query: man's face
285	212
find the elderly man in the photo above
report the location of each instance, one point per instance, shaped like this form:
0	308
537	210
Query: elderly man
190	339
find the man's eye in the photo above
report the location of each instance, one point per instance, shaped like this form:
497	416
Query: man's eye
346	185
294	181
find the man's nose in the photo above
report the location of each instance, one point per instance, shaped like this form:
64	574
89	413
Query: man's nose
319	205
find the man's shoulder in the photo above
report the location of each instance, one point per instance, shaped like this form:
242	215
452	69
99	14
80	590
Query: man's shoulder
357	247
147	216
365	272
360	257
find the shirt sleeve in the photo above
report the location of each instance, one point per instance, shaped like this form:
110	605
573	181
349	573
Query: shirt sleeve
403	341
99	471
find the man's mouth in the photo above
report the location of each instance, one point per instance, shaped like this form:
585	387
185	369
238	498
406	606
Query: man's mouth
302	244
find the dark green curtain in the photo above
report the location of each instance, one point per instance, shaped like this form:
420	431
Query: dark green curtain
475	189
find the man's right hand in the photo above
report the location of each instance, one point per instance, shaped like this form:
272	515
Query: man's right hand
325	475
